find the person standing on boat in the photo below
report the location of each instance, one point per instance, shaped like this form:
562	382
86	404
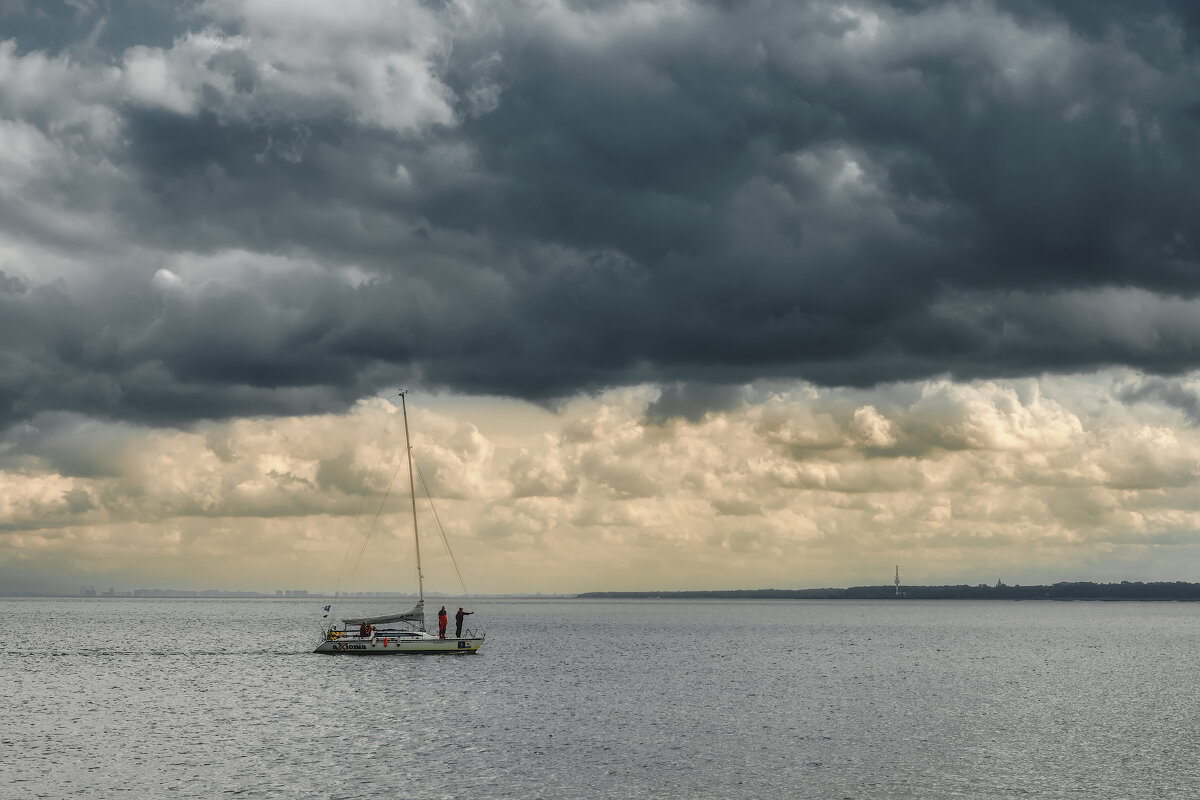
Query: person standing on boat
458	618
442	623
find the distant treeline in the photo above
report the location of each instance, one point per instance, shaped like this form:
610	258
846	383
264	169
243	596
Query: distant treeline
1084	590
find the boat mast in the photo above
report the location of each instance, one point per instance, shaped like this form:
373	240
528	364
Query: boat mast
412	494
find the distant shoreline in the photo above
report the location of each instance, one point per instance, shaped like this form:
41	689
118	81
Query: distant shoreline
1125	590
211	594
1083	590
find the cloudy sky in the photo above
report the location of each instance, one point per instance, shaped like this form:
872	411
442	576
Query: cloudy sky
687	294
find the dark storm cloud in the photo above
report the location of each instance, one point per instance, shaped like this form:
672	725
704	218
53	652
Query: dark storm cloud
281	213
692	401
1168	392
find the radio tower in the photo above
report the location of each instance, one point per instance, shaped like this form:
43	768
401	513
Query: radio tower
897	580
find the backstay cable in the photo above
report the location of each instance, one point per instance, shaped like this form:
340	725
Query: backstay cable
354	531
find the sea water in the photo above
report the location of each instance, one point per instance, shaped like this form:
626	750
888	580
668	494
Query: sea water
605	699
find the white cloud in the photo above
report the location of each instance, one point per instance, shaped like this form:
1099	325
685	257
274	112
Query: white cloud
175	78
964	479
871	428
380	63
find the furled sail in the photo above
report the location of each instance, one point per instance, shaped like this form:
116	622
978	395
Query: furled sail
417	615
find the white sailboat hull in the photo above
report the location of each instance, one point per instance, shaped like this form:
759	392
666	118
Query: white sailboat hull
395	646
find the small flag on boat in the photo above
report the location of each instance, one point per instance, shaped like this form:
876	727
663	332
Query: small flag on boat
326	610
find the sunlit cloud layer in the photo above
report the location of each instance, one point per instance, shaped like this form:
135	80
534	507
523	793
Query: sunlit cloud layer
773	293
796	487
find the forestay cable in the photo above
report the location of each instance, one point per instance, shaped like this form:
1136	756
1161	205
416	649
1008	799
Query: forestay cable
441	530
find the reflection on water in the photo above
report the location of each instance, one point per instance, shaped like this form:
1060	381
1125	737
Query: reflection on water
606	699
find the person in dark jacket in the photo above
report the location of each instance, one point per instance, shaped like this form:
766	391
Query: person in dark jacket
458	618
442	623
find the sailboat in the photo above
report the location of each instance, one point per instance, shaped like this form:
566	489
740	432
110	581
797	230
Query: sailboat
403	633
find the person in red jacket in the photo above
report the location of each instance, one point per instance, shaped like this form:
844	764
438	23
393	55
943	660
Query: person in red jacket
442	623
